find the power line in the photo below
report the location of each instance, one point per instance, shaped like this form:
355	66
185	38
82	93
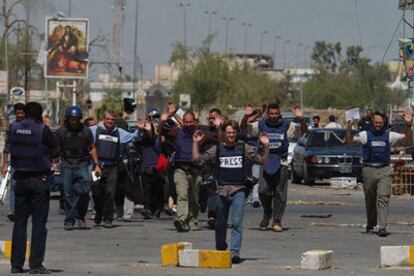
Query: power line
392	38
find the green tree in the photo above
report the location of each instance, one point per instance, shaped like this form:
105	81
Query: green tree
112	102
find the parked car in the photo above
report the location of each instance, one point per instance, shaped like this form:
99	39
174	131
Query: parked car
322	153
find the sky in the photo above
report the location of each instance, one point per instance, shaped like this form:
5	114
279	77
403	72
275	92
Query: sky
370	23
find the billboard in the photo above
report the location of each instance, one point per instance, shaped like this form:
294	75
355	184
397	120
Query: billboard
406	59
67	48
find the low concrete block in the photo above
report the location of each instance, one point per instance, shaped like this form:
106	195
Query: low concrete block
189	258
397	255
6	246
169	253
317	259
215	259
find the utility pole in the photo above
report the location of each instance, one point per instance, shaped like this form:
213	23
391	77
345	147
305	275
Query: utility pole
226	42
27	56
261	41
274	50
246	26
117	33
284	52
184	6
210	14
134	77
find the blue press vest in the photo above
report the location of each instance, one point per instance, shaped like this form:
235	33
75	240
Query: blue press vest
184	146
230	165
151	154
108	146
28	153
278	140
377	148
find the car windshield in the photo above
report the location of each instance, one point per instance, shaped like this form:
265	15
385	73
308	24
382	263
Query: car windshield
324	138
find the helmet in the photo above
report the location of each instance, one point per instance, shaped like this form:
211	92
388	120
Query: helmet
73	111
154	113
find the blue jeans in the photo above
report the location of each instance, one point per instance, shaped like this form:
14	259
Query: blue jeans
76	184
235	204
32	198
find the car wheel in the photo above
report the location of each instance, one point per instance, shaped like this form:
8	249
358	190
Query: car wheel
306	179
295	178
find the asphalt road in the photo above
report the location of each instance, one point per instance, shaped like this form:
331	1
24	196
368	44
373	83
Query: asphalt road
134	248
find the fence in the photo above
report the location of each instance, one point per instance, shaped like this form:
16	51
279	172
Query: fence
403	180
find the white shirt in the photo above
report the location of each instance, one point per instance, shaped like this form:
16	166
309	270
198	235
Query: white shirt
362	137
333	125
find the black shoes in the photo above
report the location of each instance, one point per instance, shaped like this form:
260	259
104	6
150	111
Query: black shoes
107	223
383	233
181	226
146	214
69	227
11	216
211	222
16	269
369	230
98	218
39	270
235	259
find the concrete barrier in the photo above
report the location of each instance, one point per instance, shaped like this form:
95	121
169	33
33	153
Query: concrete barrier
204	258
317	259
5	249
397	255
169	252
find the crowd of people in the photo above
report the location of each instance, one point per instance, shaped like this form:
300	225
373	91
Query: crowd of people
172	164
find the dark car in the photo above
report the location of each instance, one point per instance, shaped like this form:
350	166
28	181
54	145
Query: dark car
322	153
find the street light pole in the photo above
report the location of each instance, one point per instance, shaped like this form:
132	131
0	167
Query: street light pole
226	43
246	26
298	54
284	52
274	50
134	69
261	41
184	6
210	14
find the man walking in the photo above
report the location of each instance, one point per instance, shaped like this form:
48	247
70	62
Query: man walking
76	143
376	142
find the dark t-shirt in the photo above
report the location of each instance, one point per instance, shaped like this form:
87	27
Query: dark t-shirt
86	136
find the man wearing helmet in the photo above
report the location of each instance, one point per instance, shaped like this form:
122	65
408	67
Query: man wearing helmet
76	143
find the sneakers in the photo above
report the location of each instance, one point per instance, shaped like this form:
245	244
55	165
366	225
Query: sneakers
277	228
11	216
383	233
181	226
235	259
107	223
82	224
39	270
264	223
16	269
126	218
69	227
211	222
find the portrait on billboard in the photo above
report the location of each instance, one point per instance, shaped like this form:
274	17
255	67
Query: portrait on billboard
67	48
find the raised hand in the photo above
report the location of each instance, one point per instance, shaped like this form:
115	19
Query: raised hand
198	136
218	121
164	117
297	111
196	113
264	139
171	109
249	110
147	126
263	108
140	124
408	117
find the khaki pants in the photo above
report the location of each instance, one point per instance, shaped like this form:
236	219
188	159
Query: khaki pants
187	187
377	190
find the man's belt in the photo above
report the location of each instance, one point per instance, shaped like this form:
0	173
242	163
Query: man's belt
376	165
